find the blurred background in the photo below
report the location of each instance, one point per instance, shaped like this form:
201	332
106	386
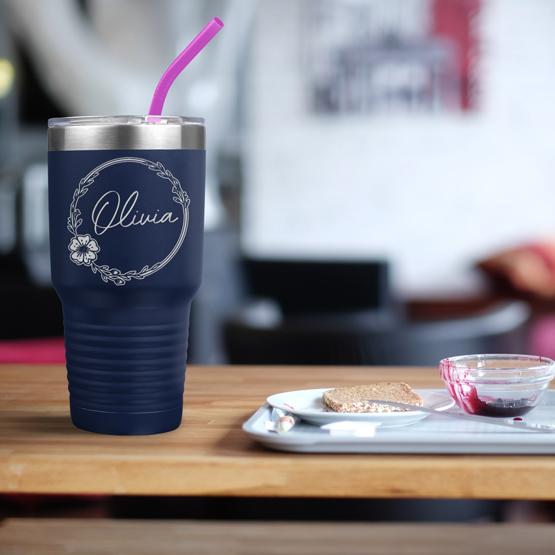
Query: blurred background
380	173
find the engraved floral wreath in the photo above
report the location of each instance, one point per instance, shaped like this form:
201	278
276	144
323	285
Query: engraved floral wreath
84	249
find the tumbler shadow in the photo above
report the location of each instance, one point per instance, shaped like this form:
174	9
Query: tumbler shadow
44	425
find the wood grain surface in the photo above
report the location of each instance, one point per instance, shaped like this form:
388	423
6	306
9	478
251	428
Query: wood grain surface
41	452
107	537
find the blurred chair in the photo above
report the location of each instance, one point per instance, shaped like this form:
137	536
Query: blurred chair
260	334
313	287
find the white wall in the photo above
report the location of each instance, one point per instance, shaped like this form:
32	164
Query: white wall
432	194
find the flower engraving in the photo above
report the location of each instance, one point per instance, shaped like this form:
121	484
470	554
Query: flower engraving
83	250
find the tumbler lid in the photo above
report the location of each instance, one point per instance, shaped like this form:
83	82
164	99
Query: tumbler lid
126	133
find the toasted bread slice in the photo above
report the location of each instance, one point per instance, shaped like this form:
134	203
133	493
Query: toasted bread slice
359	398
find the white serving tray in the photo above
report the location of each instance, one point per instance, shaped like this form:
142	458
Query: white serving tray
435	434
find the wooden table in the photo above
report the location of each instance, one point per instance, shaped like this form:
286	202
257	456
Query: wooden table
40	451
105	537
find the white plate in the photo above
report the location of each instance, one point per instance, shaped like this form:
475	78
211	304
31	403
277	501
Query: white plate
308	405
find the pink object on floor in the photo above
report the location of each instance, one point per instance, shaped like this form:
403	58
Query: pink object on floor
33	351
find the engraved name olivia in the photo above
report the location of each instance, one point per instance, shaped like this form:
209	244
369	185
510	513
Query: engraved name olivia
109	212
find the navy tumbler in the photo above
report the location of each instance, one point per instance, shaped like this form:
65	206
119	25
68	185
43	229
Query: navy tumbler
126	202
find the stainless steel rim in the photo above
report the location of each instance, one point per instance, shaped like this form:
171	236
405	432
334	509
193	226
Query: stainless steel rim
126	133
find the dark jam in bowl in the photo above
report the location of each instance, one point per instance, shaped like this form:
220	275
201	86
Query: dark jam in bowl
503	386
501	408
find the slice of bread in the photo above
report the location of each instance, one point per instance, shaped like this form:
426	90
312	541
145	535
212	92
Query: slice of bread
359	397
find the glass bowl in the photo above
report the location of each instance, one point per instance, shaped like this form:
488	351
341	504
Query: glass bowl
497	385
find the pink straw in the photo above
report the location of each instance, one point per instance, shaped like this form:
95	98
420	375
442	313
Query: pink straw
180	63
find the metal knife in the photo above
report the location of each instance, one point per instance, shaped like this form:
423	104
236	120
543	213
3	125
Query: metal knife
514	424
